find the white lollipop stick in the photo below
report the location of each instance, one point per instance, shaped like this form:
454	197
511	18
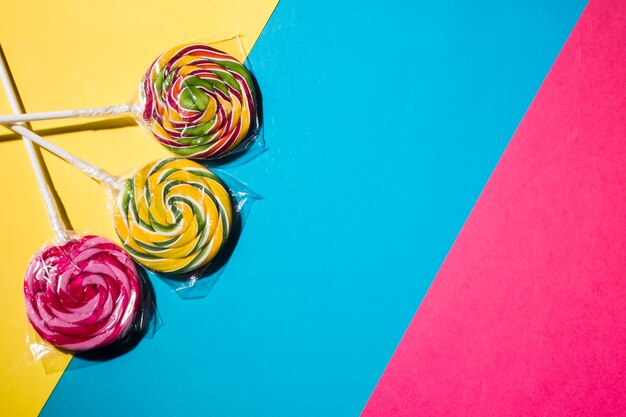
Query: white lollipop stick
36	160
90	170
108	111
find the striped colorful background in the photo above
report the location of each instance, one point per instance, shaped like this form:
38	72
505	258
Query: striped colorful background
475	146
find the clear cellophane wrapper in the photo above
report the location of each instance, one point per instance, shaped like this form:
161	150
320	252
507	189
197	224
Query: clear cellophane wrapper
203	104
88	299
181	220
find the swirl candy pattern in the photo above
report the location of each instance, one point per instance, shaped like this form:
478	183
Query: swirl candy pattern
82	295
199	102
173	215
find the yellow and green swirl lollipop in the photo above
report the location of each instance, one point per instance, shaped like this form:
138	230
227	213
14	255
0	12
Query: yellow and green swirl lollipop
173	215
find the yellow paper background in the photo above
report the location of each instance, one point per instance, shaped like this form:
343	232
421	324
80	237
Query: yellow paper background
75	54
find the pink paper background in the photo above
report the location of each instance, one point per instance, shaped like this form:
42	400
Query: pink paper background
527	315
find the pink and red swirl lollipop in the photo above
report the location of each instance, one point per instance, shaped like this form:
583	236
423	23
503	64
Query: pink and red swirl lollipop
82	295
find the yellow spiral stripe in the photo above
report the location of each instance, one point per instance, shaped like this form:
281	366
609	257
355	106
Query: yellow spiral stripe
199	102
173	216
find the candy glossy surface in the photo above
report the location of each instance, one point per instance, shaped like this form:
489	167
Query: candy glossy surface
173	215
82	295
199	102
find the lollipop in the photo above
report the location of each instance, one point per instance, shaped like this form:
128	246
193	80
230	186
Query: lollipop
84	293
199	102
195	100
172	215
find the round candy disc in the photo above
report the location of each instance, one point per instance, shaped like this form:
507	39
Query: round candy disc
199	102
173	215
82	295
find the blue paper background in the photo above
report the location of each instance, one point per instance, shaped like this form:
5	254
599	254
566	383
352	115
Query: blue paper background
384	121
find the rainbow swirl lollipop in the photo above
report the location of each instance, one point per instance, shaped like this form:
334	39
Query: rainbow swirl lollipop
196	101
82	295
199	102
173	215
